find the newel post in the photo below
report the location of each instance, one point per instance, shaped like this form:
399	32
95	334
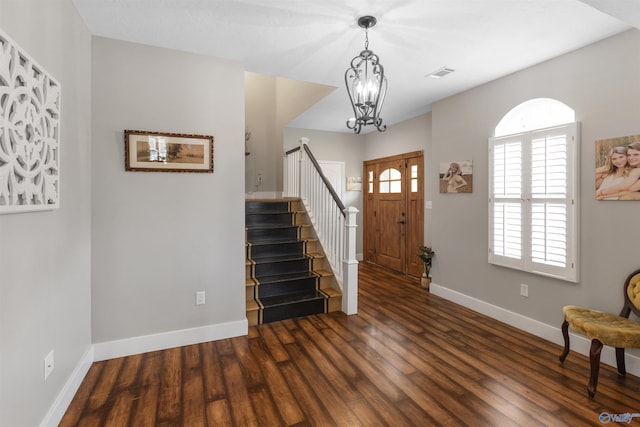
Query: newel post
350	264
302	168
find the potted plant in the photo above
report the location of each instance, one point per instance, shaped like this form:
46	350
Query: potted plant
426	255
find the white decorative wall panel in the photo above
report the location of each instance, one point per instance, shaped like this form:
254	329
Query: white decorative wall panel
29	132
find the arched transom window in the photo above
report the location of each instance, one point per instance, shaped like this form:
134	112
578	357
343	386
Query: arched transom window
534	114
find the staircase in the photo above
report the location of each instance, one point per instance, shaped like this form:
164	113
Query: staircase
286	272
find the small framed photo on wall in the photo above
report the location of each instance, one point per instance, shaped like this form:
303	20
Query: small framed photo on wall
456	176
354	183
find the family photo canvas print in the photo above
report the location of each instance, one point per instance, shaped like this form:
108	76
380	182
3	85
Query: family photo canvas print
456	177
618	168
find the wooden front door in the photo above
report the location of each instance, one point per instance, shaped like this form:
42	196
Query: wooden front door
390	215
393	212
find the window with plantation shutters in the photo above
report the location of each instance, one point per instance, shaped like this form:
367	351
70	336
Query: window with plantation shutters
532	203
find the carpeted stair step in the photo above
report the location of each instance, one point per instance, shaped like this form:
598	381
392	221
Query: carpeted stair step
285	273
293	305
284	284
284	264
272	233
263	250
280	265
258	206
261	219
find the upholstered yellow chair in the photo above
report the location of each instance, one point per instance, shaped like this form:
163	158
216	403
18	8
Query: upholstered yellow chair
605	329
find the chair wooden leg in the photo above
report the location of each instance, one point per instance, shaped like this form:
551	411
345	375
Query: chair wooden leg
594	358
620	361
565	334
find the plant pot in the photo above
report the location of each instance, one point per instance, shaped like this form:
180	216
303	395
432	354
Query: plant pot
425	281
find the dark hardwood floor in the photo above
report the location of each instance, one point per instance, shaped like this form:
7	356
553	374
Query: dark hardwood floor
408	358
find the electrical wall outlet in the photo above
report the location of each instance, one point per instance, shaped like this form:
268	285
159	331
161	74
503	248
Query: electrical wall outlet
200	298
524	290
48	364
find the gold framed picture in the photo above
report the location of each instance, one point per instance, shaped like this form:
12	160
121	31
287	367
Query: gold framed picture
167	152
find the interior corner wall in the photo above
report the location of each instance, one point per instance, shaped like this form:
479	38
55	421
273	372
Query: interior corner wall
45	289
271	103
159	237
600	82
265	145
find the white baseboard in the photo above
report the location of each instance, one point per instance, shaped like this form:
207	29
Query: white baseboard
63	400
136	345
579	343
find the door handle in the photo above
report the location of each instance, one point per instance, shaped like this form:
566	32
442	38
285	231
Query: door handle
402	222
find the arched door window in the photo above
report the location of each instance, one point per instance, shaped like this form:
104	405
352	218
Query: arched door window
390	181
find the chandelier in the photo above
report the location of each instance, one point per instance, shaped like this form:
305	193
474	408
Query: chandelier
366	84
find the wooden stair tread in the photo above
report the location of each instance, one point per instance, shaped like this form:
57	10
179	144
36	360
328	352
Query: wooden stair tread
315	255
273	199
273	226
283	277
280	258
331	292
323	273
285	258
277	242
273	242
252	305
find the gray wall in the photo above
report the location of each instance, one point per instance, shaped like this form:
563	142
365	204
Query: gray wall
600	82
160	237
410	135
45	256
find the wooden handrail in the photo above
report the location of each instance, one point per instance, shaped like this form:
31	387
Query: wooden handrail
293	150
332	191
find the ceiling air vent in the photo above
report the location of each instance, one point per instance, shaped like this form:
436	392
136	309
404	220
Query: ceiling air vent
441	72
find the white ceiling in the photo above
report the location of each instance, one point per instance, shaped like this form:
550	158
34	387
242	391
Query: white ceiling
315	40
